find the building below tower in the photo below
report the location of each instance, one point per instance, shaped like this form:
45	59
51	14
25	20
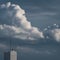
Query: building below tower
6	55
12	55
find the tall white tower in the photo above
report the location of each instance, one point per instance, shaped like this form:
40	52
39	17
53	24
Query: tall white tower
12	55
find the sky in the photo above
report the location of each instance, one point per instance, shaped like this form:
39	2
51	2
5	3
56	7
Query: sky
31	27
40	12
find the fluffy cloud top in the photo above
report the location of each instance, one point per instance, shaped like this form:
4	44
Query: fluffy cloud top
56	34
53	32
14	23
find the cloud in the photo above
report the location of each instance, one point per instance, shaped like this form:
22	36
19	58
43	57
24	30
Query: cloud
53	32
6	30
14	23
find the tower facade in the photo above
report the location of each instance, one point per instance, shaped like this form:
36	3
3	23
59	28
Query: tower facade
12	55
6	55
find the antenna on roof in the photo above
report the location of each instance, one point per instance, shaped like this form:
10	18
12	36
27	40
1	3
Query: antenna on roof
10	43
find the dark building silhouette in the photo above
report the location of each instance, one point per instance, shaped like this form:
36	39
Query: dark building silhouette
12	55
6	55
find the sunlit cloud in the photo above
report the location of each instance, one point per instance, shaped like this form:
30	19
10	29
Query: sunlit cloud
13	22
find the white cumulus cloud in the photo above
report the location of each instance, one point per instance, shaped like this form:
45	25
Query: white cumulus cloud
14	23
53	32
